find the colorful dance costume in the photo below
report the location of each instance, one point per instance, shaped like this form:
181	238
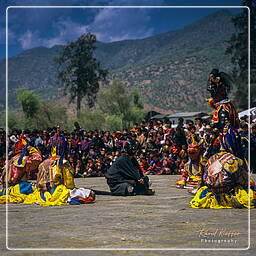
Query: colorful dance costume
23	165
225	178
55	182
191	175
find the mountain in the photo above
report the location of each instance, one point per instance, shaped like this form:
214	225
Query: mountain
170	69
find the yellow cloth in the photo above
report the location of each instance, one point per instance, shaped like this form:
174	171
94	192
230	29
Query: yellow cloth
53	152
239	199
51	171
32	150
67	173
181	182
194	178
59	197
14	195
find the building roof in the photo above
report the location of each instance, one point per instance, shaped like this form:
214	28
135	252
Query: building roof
159	116
187	114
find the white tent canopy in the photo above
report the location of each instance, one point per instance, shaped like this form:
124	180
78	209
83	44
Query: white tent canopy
248	112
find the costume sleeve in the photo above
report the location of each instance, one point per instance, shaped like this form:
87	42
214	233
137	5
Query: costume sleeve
63	149
223	117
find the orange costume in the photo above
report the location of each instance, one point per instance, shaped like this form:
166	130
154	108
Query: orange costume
191	175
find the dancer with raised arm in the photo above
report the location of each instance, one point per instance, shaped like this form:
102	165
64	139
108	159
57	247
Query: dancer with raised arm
225	177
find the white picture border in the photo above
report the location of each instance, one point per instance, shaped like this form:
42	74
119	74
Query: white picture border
117	248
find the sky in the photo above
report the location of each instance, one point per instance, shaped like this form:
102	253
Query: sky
34	27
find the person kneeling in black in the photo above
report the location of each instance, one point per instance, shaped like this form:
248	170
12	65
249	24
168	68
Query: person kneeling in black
124	177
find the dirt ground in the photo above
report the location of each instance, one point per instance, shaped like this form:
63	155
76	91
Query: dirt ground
163	224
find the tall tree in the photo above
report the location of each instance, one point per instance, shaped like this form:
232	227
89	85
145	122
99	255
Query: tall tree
238	49
79	71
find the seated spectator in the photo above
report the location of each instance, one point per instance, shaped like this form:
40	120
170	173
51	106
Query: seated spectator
125	178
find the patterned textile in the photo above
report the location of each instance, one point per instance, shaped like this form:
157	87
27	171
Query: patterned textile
225	110
224	170
191	175
81	196
21	167
51	174
226	180
60	195
238	199
231	142
20	145
58	147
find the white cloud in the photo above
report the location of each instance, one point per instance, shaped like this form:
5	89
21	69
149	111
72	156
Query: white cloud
113	24
28	40
109	25
69	30
66	31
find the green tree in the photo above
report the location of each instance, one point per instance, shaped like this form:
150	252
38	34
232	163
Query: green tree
14	120
29	101
37	114
122	107
50	115
114	122
79	71
91	120
238	49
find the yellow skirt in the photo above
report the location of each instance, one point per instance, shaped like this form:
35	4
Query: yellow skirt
59	196
240	199
14	195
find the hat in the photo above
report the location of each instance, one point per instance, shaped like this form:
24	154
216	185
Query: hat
193	147
22	164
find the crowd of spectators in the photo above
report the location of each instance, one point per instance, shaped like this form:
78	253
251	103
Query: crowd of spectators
160	148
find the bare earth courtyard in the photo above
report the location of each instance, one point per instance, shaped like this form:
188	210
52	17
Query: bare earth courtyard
161	221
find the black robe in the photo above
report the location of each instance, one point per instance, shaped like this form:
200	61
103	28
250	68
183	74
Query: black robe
123	173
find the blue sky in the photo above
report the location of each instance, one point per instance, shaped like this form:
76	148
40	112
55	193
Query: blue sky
28	28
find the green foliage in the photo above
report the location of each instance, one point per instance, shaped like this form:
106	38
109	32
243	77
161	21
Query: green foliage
114	100
118	109
91	120
136	114
80	72
52	115
37	114
186	54
16	120
13	120
120	104
136	99
114	122
29	101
